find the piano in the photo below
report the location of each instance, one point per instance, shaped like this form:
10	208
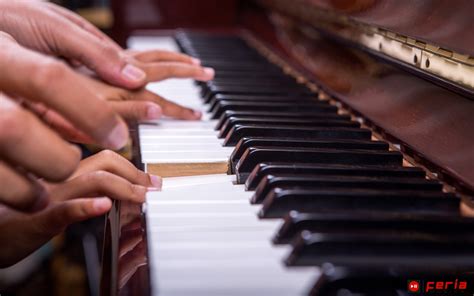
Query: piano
335	155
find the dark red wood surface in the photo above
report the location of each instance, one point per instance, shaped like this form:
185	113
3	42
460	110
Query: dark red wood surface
132	15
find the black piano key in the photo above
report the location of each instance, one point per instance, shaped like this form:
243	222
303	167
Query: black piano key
262	99
280	202
272	114
386	281
229	74
246	143
230	48
339	281
381	250
212	88
193	37
305	106
252	83
270	131
213	43
279	168
243	79
226	63
285	122
296	222
270	182
233	120
255	155
248	56
262	67
263	91
209	58
234	79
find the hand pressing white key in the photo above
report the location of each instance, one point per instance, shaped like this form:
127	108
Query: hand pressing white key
53	30
37	78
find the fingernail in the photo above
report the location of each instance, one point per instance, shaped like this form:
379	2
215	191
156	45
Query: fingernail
156	181
133	73
153	189
209	72
197	114
153	112
101	204
118	137
195	61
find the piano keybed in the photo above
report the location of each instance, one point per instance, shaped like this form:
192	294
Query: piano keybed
352	212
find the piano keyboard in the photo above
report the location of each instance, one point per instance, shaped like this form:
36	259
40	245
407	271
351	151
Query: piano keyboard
349	205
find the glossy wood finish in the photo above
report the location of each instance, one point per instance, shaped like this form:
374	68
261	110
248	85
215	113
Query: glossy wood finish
124	258
440	22
133	15
432	124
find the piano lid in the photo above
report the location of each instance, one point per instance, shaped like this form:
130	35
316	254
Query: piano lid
431	37
446	24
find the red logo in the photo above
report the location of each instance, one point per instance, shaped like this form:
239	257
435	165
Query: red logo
414	286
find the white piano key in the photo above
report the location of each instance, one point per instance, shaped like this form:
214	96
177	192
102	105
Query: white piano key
184	147
173	140
152	42
177	124
204	237
207	220
178	132
198	180
186	156
267	228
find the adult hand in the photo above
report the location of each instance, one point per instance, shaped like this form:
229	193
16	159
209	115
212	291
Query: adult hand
56	31
45	80
53	30
29	149
133	105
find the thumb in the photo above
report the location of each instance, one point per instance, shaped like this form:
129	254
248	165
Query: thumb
62	214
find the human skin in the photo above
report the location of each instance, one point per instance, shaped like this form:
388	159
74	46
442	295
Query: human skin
86	194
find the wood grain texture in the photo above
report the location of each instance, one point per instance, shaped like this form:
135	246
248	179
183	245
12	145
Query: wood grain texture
187	169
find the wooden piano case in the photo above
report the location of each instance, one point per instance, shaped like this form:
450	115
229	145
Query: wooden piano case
429	122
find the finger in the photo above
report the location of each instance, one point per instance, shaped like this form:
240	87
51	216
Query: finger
81	22
149	56
72	211
28	143
66	129
137	110
99	55
164	70
61	89
97	51
58	35
169	108
20	193
114	163
99	183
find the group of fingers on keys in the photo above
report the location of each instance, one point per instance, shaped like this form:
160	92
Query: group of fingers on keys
63	81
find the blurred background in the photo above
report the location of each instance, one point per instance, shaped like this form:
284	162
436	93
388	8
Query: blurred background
119	18
98	12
